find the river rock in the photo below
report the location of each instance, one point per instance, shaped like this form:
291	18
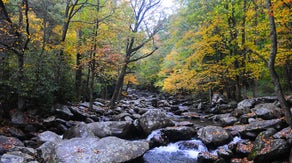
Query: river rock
178	133
225	119
46	152
206	157
19	155
221	109
250	103
122	129
245	118
225	153
154	119
268	111
80	113
63	112
105	150
243	148
12	158
253	129
8	143
80	130
285	133
218	99
259	126
267	149
214	136
49	136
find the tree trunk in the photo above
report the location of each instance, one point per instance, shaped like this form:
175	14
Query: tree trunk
26	38
244	77
119	85
271	66
78	75
288	77
254	88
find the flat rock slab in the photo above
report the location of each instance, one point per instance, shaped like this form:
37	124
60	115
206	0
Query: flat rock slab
92	150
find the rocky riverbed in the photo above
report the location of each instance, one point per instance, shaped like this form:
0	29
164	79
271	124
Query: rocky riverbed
151	128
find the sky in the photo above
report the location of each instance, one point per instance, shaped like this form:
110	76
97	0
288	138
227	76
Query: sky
169	5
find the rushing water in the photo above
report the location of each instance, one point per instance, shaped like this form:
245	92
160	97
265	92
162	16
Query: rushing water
179	152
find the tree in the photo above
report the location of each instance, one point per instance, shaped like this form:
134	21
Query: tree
271	64
141	10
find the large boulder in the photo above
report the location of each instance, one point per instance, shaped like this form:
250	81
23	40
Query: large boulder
8	143
122	129
80	130
49	136
63	112
267	149
46	152
243	148
174	134
105	150
250	103
267	111
259	126
225	119
19	155
221	109
154	119
214	136
253	129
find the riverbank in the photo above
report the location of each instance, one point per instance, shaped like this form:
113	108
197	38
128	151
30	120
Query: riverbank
149	127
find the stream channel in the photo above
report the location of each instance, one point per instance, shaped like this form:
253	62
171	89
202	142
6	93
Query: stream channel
185	151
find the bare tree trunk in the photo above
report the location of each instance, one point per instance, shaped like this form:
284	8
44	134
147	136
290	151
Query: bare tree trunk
96	27
244	78
254	88
24	24
119	85
288	76
78	75
271	66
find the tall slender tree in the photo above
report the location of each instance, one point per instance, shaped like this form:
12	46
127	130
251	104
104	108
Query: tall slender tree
141	10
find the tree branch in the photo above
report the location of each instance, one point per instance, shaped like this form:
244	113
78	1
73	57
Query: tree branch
144	56
257	54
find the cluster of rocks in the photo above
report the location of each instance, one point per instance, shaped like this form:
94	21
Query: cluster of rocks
265	135
75	133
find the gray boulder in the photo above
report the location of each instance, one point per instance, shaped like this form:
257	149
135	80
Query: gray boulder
254	128
250	103
174	134
268	111
8	143
154	119
91	150
122	129
79	130
214	136
225	119
46	152
19	155
12	158
63	111
49	136
206	157
267	149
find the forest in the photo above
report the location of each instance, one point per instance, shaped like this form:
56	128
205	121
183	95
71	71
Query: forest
63	52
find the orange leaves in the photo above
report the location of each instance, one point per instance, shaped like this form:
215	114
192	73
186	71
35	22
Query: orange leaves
131	79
